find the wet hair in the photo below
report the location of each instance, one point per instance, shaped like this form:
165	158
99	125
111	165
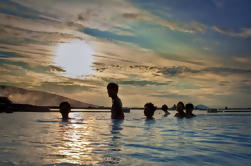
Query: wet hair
149	113
189	106
181	103
181	112
164	107
113	86
64	107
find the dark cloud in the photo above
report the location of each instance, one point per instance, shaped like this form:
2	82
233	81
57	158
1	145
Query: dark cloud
224	83
141	68
9	54
98	63
102	69
73	24
174	71
131	15
56	68
87	15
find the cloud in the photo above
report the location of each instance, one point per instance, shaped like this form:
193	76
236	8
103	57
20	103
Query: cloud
179	70
131	15
224	70
180	58
88	14
218	3
243	60
142	83
191	27
56	68
198	27
14	35
29	38
174	71
8	54
224	83
243	33
12	8
170	95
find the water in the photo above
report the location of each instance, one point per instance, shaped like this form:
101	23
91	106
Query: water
94	139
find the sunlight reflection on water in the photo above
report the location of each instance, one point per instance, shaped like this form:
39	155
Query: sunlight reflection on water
94	139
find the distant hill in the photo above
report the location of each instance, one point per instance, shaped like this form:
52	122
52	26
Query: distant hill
201	107
24	96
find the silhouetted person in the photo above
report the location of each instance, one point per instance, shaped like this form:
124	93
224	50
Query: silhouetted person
179	109
65	109
165	108
116	110
189	110
149	110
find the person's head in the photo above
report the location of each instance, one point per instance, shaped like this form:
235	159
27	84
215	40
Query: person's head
180	107
112	89
164	108
189	108
64	109
149	110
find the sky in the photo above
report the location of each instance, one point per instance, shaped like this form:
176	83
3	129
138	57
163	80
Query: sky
161	51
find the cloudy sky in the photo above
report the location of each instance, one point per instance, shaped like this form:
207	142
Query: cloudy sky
161	51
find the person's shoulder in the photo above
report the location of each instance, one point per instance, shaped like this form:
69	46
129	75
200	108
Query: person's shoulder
117	100
179	115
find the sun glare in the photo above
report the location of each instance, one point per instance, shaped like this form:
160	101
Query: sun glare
75	58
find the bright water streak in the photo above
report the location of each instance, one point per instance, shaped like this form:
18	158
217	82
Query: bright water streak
94	139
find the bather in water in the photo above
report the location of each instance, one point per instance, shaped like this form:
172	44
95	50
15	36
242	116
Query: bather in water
116	110
165	108
149	110
65	109
189	110
179	109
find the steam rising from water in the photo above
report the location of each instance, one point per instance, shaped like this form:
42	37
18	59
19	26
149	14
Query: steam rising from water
19	95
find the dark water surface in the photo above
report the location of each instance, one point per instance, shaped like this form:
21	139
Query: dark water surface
94	139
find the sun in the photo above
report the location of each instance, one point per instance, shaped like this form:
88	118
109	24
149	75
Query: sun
75	57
